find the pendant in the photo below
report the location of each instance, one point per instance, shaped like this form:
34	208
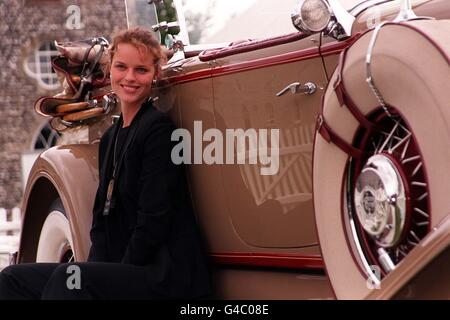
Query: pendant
109	204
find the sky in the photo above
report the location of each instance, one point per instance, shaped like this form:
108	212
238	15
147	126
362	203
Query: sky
223	9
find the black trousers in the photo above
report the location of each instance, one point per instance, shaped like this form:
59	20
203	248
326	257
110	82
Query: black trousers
77	281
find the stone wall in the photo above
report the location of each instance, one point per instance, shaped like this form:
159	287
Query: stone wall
24	24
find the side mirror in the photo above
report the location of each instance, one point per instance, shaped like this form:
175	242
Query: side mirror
142	13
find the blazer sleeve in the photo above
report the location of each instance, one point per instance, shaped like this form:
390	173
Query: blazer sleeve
98	233
158	182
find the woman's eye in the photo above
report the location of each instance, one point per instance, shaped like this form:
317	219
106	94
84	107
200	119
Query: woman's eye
120	67
142	70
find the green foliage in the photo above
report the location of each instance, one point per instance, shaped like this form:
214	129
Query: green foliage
166	12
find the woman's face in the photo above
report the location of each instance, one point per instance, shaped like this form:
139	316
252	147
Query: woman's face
132	73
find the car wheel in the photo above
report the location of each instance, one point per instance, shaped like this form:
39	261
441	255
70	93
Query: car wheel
373	209
55	240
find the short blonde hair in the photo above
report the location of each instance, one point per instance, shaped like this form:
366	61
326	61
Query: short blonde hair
141	39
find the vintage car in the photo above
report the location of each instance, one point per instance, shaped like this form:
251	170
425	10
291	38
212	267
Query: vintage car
341	190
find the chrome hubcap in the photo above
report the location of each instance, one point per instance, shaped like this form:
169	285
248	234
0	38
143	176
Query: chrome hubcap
380	200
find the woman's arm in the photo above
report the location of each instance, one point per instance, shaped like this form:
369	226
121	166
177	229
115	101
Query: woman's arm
97	233
159	180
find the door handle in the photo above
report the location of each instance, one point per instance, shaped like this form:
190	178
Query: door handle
297	88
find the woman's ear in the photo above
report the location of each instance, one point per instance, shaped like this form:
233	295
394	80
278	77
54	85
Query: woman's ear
158	73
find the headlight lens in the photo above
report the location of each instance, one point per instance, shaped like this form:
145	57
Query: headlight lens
311	16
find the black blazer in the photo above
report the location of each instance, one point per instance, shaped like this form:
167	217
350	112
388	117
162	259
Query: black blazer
152	223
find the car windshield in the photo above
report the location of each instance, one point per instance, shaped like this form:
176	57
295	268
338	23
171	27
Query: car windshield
214	21
209	22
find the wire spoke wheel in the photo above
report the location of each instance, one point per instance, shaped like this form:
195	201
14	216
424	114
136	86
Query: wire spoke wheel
386	195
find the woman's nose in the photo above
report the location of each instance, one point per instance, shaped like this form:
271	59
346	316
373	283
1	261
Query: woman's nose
129	76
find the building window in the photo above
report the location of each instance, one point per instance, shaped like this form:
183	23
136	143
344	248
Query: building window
38	65
46	138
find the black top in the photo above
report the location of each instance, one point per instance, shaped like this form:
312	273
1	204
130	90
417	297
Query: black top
122	135
152	223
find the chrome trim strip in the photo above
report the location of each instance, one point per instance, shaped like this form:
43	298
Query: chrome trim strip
359	8
181	22
368	269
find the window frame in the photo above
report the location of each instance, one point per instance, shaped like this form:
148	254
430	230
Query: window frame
35	57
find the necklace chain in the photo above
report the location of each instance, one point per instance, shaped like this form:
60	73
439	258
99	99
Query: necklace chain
115	150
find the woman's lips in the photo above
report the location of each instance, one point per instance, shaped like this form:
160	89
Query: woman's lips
129	88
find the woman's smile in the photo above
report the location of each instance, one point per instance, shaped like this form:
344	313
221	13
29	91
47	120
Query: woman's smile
132	73
130	89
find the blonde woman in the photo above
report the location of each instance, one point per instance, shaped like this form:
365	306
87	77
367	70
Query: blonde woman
145	242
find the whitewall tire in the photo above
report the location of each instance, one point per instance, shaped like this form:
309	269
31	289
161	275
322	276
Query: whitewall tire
55	240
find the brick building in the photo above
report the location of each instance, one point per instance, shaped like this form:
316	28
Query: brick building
27	31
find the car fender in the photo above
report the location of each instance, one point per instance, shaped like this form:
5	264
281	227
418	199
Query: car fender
67	172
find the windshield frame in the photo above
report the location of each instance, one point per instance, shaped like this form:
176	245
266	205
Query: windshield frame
131	12
181	19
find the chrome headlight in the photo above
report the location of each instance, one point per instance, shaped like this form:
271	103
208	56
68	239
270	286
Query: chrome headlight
311	16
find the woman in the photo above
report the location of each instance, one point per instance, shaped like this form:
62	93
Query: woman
145	242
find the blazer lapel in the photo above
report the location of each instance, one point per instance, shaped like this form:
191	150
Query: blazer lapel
106	168
130	136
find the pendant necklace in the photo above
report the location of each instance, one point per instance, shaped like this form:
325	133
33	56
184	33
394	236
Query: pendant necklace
130	134
109	204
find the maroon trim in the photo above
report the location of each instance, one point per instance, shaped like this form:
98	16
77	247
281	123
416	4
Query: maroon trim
267	62
188	77
273	260
326	50
249	45
345	99
330	136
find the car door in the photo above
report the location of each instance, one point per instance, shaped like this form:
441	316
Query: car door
270	210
